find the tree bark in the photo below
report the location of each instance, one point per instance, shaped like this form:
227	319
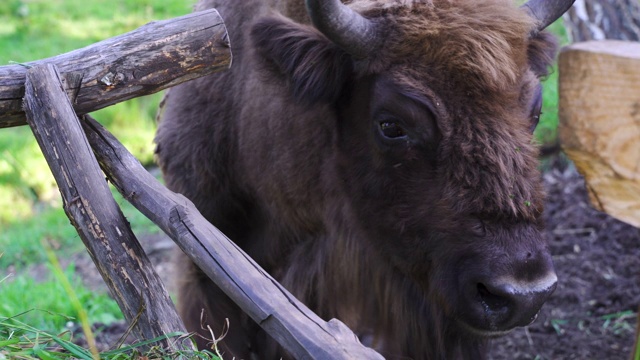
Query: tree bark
89	205
144	61
603	19
287	320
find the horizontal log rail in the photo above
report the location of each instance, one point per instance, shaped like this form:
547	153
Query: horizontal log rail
151	58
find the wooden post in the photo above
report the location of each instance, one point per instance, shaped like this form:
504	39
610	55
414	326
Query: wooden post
301	332
149	59
600	122
92	210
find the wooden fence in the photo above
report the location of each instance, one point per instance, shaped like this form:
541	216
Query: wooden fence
53	96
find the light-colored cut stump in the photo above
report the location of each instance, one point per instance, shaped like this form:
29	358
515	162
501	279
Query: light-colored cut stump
600	122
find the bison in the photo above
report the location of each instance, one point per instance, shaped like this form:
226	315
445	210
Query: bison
376	158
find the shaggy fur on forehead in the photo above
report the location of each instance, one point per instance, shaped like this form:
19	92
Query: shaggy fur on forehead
480	41
481	57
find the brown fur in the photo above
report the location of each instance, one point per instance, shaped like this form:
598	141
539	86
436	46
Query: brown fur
278	154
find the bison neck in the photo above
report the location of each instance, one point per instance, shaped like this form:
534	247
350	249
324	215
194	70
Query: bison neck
344	278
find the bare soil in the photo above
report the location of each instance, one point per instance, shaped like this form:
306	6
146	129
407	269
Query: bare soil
591	315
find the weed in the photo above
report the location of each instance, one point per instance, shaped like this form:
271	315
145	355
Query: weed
618	323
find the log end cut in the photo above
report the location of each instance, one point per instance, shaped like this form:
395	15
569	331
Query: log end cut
600	122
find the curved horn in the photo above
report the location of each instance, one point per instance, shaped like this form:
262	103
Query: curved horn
351	31
546	11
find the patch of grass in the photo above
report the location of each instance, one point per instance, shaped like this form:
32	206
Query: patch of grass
21	341
20	240
621	322
38	29
32	311
45	305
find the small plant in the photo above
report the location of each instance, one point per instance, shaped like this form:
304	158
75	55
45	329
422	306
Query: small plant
618	322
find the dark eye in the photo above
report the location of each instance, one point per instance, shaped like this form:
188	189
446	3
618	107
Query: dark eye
392	130
478	227
536	108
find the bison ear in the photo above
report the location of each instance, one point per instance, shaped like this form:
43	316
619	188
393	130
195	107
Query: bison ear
316	68
542	51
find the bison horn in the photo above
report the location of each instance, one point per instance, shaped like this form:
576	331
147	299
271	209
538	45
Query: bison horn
546	11
348	29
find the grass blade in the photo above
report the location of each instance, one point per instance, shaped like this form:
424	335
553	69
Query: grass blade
74	349
143	343
73	298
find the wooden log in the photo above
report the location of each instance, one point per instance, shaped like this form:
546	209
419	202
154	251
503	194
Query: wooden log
144	61
600	122
287	320
91	208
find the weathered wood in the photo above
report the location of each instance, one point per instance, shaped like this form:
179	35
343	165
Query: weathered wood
149	59
92	210
287	320
600	122
603	19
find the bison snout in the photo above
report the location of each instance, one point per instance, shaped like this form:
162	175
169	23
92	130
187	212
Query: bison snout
508	303
500	302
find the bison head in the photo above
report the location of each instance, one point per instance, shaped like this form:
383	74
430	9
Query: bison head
435	102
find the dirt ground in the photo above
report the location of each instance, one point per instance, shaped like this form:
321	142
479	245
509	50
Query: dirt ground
591	315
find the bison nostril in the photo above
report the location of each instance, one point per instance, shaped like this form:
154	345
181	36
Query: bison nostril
504	303
493	300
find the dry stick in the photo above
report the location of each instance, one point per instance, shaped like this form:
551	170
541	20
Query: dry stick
151	58
92	210
288	321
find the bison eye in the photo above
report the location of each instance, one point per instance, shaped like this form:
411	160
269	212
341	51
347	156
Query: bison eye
536	108
392	130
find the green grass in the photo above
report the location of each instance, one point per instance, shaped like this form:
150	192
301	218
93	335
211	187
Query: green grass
29	318
20	240
30	204
46	306
19	340
619	323
36	29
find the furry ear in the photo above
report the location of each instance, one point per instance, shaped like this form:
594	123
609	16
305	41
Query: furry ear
316	68
542	51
